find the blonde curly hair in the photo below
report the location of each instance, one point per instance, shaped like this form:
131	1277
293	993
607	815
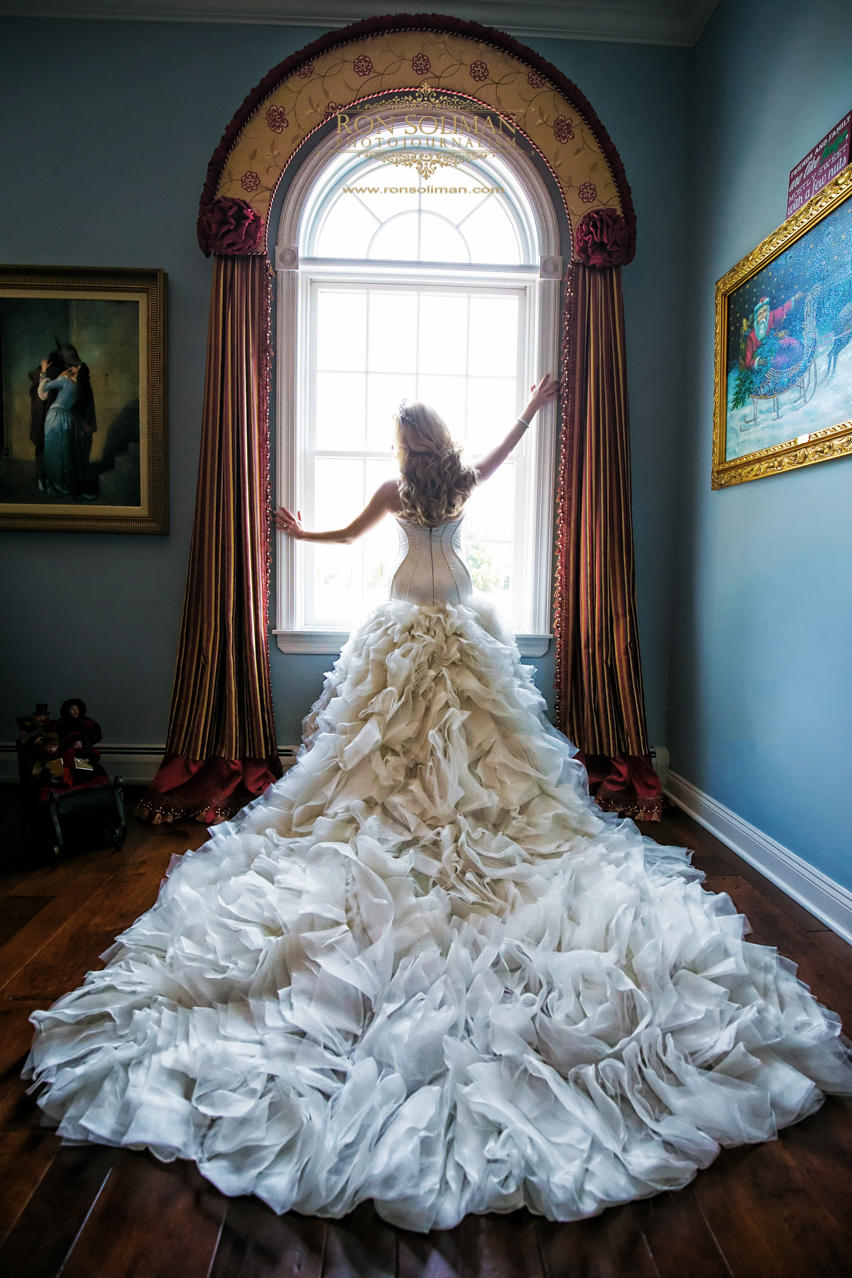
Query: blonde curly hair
434	482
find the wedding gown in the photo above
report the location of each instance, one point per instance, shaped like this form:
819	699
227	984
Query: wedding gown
425	969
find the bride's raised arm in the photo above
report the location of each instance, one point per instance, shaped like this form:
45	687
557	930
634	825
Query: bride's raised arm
385	498
546	390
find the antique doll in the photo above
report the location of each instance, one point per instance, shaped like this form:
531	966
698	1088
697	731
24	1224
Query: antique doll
73	718
40	723
49	766
81	760
26	724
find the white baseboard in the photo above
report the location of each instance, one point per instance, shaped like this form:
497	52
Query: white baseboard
135	764
660	762
803	882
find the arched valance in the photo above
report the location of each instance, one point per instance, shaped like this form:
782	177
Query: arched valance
389	56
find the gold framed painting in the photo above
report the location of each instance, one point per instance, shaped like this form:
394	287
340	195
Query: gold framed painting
83	444
783	364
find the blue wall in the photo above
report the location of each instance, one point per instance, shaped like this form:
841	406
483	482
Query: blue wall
761	686
103	160
641	95
103	165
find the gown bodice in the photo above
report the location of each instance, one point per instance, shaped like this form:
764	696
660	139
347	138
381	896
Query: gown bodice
431	569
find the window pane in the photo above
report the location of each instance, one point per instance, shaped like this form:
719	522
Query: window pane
489	546
397	239
493	335
490	511
490	412
456	348
341	328
336	584
447	395
381	545
347	229
380	555
441	242
393	333
366	194
384	393
453	206
453	343
338	491
491	235
376	472
443	333
380	202
340	421
490	565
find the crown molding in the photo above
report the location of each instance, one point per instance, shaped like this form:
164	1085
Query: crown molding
670	22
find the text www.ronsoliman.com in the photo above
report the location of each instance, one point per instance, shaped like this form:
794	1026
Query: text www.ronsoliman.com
423	190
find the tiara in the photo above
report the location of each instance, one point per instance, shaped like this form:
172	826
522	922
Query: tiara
402	410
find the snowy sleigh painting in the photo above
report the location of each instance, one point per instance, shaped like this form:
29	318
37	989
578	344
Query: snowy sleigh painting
783	394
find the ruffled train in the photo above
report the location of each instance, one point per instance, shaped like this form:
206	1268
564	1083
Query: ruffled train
425	969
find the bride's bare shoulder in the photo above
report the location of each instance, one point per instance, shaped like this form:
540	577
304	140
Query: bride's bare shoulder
389	494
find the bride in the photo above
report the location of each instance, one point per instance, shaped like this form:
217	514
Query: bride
424	968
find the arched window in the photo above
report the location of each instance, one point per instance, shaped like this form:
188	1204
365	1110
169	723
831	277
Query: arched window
394	285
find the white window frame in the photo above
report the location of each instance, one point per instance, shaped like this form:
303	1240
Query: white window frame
295	279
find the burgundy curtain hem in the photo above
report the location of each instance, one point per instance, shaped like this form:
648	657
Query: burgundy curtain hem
205	790
625	783
635	808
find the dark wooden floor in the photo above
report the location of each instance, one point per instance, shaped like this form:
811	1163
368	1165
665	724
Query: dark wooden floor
781	1209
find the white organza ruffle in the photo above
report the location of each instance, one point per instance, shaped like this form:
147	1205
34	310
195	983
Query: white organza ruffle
425	969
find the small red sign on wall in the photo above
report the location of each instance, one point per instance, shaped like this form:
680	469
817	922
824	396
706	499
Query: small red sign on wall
819	166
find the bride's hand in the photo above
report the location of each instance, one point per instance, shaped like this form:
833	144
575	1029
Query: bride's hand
546	390
289	524
542	394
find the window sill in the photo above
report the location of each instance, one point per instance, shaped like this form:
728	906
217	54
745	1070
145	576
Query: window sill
329	642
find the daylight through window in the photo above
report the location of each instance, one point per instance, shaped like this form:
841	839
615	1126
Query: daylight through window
416	289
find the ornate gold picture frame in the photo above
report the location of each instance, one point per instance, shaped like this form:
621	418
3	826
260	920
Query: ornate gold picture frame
83	444
783	362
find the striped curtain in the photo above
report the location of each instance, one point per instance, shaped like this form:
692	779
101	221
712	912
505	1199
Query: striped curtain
600	701
221	749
